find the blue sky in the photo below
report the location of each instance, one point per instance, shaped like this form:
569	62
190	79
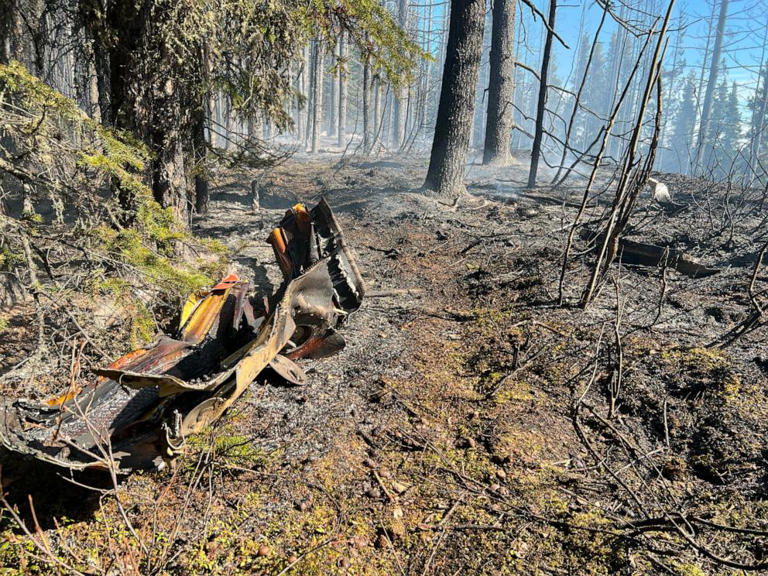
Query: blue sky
745	30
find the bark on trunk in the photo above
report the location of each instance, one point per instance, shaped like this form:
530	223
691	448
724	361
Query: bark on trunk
342	123
301	86
759	125
231	126
377	119
367	105
399	104
169	178
317	94
457	98
310	95
714	67
199	151
501	84
149	105
542	103
333	96
8	8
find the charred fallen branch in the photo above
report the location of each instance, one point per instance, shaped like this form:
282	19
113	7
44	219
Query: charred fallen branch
140	409
642	254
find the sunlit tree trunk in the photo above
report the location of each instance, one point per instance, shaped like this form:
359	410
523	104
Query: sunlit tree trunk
333	105
317	93
399	102
342	122
301	87
541	106
760	108
377	119
714	67
501	84
367	119
453	129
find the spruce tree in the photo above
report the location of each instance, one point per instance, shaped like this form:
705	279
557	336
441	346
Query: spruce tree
684	124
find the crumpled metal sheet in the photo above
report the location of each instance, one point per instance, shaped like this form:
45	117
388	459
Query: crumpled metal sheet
143	406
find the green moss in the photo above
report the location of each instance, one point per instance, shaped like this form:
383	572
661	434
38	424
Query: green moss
516	391
228	447
154	266
147	257
114	154
9	259
689	570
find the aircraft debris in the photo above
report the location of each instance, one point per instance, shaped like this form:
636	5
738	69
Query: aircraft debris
141	409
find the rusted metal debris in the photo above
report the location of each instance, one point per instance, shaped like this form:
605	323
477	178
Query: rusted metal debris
143	406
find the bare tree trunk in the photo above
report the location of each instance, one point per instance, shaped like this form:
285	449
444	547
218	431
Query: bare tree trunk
367	137
481	103
501	84
579	93
6	29
255	127
231	125
342	123
333	105
398	117
210	104
542	102
422	116
199	154
310	95
714	67
317	93
457	98
700	89
300	91
377	119
758	114
758	110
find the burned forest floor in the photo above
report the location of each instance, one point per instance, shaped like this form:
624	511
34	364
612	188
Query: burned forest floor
468	428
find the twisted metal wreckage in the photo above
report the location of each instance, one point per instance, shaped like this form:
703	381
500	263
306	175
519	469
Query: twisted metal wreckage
144	405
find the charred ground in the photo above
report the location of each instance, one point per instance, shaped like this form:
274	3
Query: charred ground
466	427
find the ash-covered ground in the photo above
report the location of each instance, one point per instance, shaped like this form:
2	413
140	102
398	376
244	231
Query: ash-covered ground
467	428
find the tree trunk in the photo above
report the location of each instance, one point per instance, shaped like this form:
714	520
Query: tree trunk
232	126
317	93
301	87
453	128
210	102
310	51
8	25
501	84
255	127
147	105
333	95
700	90
542	102
199	153
169	182
399	103
342	123
421	118
377	120
759	112
714	67
367	105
